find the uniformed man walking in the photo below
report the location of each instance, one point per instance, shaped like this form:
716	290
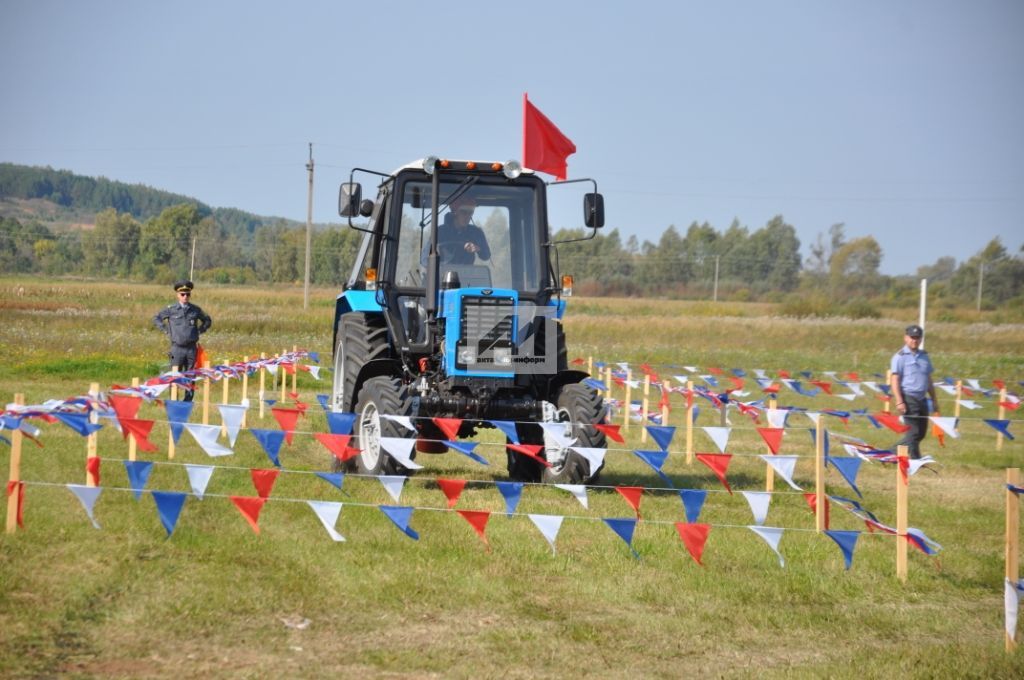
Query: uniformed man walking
183	322
911	384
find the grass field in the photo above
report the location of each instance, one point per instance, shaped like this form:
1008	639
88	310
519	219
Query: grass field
217	600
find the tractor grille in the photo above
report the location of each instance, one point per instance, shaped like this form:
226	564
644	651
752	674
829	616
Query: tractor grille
487	321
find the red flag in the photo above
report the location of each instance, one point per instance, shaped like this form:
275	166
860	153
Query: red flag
250	509
939	434
125	407
694	536
452	489
264	480
545	148
19	488
904	464
999	384
478	520
139	429
772	436
892	422
92	466
812	503
632	495
337	444
718	463
450	427
286	418
531	451
823	384
201	358
611	431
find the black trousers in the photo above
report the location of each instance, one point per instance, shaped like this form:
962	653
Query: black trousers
916	416
185	359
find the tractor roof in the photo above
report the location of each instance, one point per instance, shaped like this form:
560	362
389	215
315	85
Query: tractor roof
458	163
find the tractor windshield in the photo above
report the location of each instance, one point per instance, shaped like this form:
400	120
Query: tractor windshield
489	234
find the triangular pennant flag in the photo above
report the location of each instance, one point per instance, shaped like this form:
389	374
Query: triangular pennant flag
623	528
610	431
199	478
340	423
594	456
327	512
79	422
784	467
400	449
892	422
812	503
393	484
337	444
313	371
92	468
478	520
325	404
126	408
662	435
772	436
694	537
286	419
530	451
577	490
271	441
693	502
139	429
449	426
466	449
656	459
917	538
206	437
548	526
776	417
771	536
335	479
509	428
1011	607
87	496
452	489
847	541
178	413
168	508
848	467
1002	426
232	415
250	509
138	474
719	464
558	435
758	501
401	515
263	481
813	416
404	421
512	492
719	435
18	487
633	495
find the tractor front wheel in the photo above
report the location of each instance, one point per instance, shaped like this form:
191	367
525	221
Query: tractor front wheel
379	397
580	407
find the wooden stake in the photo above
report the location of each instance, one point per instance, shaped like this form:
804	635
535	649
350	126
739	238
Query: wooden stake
206	396
284	379
629	403
224	400
132	444
170	433
769	476
15	472
1012	537
689	422
821	511
959	396
295	370
901	516
245	391
1002	415
91	441
590	365
608	381
263	379
888	402
665	386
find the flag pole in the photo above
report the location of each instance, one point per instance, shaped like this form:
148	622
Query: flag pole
523	155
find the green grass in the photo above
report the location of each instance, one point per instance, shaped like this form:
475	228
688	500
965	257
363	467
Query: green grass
211	600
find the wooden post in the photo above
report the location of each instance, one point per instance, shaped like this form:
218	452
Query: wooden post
295	370
91	441
245	390
667	391
263	384
590	364
15	472
284	378
1012	536
689	422
629	403
132	444
206	396
225	395
819	475
959	396
608	380
769	475
1002	414
170	433
886	405
901	516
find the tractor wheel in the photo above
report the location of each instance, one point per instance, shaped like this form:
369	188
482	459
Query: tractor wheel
378	397
361	339
581	406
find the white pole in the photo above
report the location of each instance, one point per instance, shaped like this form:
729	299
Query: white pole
309	228
924	307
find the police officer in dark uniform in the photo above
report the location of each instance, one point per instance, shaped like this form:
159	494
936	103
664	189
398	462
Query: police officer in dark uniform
183	322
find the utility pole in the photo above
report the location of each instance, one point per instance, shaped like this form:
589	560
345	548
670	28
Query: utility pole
309	227
981	277
192	269
716	279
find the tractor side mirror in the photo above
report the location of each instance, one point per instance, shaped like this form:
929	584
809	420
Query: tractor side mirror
349	199
593	210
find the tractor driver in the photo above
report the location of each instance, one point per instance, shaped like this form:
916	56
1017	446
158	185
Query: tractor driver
459	241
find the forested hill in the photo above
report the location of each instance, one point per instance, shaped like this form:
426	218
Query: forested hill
77	198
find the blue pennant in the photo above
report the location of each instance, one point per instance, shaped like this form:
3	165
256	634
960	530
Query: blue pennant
511	492
138	474
466	449
400	515
315	357
178	413
662	435
1000	425
168	507
79	422
848	467
693	502
333	478
656	459
624	527
341	423
847	541
595	384
509	428
270	440
322	399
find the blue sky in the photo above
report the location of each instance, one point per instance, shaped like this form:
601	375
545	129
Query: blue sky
901	119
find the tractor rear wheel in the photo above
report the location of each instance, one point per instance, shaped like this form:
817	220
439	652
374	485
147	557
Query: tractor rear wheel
379	397
361	338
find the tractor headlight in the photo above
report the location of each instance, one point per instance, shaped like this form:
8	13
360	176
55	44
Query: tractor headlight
429	163
512	169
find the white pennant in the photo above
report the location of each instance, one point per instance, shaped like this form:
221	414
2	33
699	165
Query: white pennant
719	435
813	416
973	382
315	372
758	501
681	379
847	397
272	369
231	415
968	403
595	457
855	388
776	417
873	385
206	437
948	425
558	434
948	389
404	421
393	484
759	372
577	490
327	512
916	464
400	449
199	477
783	466
1011	602
549	526
771	536
87	496
690	369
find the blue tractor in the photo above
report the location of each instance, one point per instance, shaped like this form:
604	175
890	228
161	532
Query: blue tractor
453	310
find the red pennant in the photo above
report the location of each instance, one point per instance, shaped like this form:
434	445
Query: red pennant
337	444
264	480
892	422
201	358
737	382
450	427
139	429
824	385
999	384
20	503
621	382
784	374
578	362
751	411
853	376
772	436
694	537
663	403
288	367
904	464
718	463
611	431
92	467
250	509
772	389
966	391
478	520
885	398
530	450
939	434
812	503
125	407
632	495
452	489
294	395
301	406
714	370
1009	405
646	368
286	419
